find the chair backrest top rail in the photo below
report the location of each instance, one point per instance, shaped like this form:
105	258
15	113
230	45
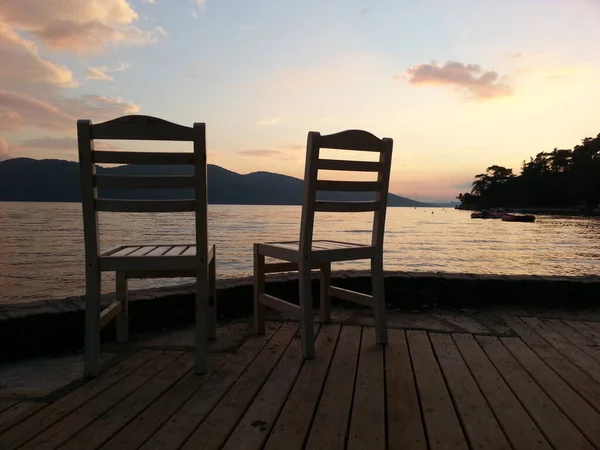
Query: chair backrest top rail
140	127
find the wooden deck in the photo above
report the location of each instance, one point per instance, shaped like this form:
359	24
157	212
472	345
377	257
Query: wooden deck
535	387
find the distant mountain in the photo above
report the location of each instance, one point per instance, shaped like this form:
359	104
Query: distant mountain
50	180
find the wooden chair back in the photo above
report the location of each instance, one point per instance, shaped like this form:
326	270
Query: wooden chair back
357	140
142	128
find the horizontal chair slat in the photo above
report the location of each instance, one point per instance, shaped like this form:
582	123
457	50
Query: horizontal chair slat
325	206
349	166
158	158
145	205
143	182
140	127
348	186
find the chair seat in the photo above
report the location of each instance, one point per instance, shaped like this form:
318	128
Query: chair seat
152	257
321	251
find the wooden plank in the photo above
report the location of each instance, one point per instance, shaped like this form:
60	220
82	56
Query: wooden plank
348	186
519	428
349	166
144	181
18	413
480	425
292	426
147	158
190	251
404	424
144	425
351	296
110	312
39	422
330	425
367	424
125	251
465	323
594	325
70	425
256	424
160	250
125	411
5	404
577	379
181	425
557	428
142	127
216	428
340	207
573	406
585	330
280	305
441	422
568	349
177	250
143	251
145	206
575	337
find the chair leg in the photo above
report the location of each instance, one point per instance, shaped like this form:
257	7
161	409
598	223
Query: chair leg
212	303
92	323
259	288
379	299
325	299
123	317
306	311
202	299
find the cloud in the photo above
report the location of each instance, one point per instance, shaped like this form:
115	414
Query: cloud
152	2
4	154
95	73
21	65
80	27
194	14
365	11
102	73
61	114
286	152
514	55
62	143
248	27
270	121
160	30
482	85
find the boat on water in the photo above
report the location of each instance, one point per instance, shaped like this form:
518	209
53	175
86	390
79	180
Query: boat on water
518	218
502	214
488	214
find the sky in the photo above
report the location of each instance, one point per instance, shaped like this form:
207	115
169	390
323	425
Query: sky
459	85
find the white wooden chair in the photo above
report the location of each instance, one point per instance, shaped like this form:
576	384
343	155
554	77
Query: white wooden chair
307	254
144	261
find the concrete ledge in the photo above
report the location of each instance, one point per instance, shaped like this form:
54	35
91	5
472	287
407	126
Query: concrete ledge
56	326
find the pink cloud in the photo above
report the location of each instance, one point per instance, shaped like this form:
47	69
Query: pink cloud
22	66
60	114
81	26
480	84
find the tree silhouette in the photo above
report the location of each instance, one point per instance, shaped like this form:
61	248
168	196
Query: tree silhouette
560	178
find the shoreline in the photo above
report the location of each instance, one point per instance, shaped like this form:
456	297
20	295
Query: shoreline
54	326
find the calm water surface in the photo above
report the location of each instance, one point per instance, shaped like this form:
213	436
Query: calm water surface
41	244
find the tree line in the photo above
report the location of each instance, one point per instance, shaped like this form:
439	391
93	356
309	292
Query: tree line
562	178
